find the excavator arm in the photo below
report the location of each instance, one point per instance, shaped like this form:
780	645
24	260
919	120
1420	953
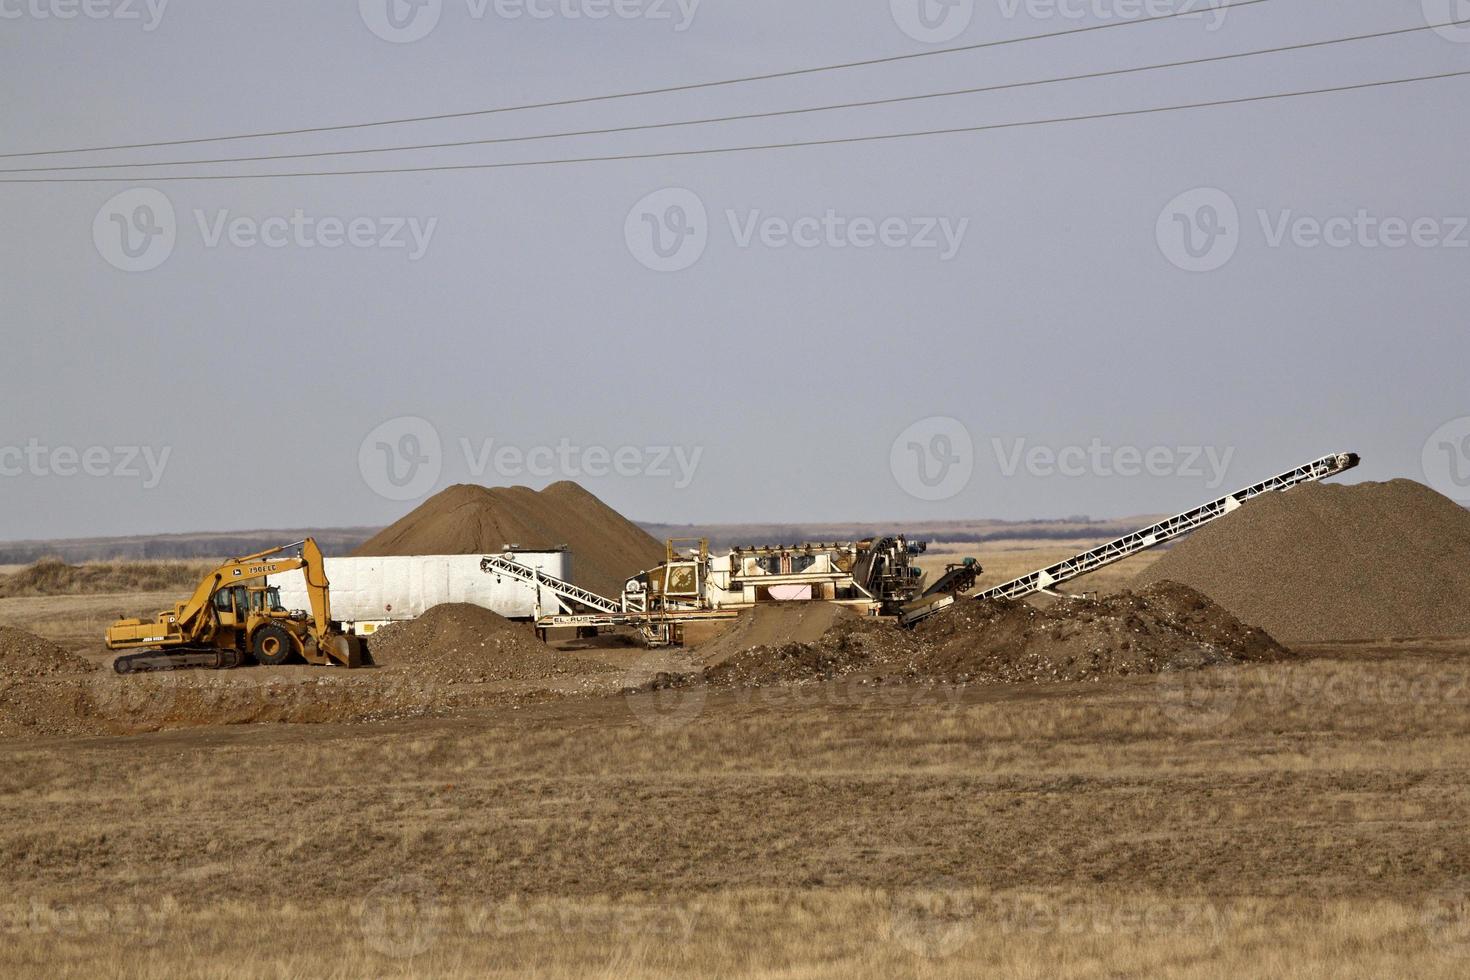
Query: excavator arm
192	614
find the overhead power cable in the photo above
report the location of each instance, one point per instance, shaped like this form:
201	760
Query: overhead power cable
1086	76
1188	11
711	151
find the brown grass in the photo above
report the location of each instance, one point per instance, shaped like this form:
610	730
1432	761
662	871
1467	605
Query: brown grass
54	577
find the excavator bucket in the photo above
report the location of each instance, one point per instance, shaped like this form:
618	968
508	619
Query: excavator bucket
347	651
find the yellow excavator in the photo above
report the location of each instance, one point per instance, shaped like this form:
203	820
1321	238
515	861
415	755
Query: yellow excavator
235	614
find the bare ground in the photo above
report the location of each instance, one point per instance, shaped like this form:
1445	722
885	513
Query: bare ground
1301	818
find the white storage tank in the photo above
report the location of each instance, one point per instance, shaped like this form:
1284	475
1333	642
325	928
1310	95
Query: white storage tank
369	593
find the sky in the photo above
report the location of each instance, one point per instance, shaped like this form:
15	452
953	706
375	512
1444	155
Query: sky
1107	317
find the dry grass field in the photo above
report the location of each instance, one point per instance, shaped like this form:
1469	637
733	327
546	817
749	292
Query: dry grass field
1305	818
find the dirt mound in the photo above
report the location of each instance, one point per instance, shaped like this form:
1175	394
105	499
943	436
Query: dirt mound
774	624
1165	627
464	643
607	548
1331	562
24	654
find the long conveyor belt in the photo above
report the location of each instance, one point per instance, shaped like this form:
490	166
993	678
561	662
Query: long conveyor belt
1149	537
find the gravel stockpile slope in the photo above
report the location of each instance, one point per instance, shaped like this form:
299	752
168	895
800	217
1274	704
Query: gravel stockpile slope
1332	562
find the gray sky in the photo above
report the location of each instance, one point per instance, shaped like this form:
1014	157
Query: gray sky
1056	318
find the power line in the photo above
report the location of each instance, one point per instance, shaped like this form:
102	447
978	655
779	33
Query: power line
1088	76
1188	11
746	149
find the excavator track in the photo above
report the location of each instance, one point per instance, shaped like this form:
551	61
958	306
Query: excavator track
150	661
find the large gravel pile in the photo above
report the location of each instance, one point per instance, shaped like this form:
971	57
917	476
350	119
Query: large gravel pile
1331	562
1164	627
607	548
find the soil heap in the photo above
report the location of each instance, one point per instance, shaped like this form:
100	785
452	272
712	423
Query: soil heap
24	654
607	548
1167	626
458	642
1333	562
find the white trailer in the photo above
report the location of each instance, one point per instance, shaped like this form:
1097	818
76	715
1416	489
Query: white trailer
369	593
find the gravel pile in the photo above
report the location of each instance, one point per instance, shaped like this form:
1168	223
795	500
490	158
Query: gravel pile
24	654
459	643
1167	626
1333	562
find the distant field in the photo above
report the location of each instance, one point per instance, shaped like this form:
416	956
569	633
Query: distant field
342	541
